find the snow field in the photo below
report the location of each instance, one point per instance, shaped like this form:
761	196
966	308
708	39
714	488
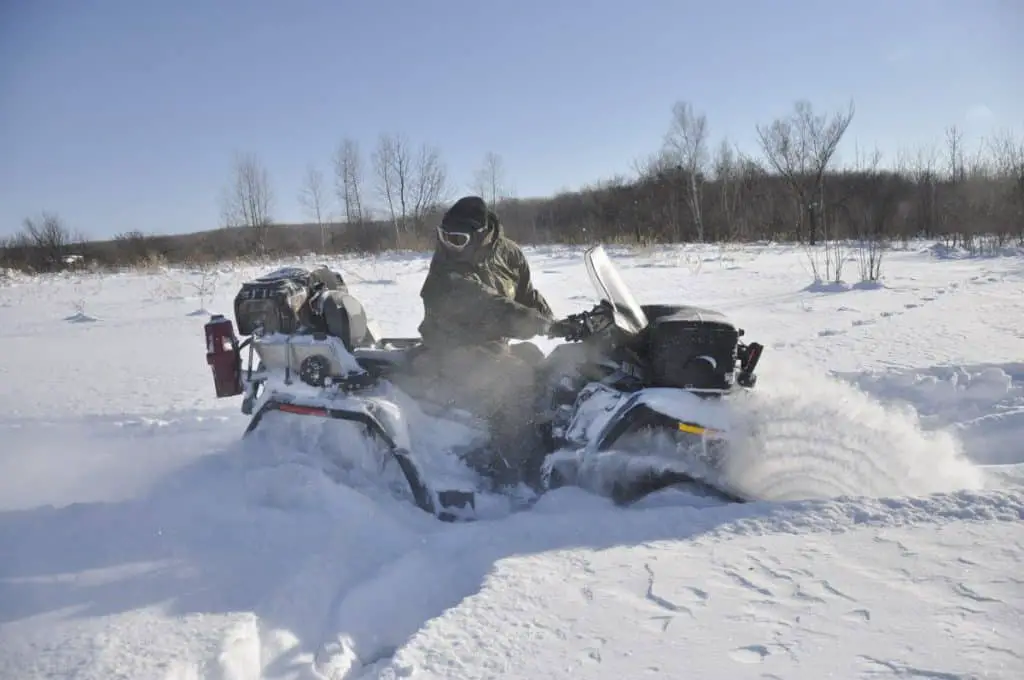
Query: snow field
141	539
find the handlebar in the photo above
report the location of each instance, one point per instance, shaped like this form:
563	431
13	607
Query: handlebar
582	325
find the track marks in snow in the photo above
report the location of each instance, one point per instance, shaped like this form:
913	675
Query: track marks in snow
861	318
382	609
968	592
671	607
747	583
906	671
771	592
858	615
804	608
788	603
749	654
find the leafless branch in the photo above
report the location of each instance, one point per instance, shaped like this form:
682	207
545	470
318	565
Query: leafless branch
800	148
348	179
489	180
686	146
247	202
392	164
313	199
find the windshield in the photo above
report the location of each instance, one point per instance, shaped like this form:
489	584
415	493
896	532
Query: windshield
609	285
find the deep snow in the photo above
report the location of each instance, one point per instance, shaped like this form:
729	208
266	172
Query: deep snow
141	539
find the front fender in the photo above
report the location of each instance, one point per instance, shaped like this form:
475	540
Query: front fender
664	408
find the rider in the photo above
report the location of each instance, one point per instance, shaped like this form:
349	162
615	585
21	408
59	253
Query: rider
478	294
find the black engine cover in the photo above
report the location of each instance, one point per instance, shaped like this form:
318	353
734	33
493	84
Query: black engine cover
692	348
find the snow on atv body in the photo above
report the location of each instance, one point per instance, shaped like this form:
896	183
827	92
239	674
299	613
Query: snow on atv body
657	418
635	397
318	375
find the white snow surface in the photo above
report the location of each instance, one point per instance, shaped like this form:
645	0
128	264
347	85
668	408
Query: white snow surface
139	537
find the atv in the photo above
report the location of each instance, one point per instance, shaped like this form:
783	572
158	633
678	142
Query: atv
633	399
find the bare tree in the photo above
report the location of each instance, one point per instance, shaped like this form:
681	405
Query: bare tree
800	148
50	240
428	183
1008	156
686	145
955	148
921	169
658	168
954	198
489	180
869	204
348	174
247	202
727	171
313	199
392	165
410	187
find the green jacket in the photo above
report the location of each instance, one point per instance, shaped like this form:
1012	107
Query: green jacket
484	302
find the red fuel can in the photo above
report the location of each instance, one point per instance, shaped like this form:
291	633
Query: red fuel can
223	356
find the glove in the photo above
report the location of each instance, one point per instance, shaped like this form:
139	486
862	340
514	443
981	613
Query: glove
565	329
579	326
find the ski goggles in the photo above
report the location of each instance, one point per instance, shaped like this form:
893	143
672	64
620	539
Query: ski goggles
457	240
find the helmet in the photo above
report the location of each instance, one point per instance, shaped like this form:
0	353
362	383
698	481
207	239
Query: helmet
465	227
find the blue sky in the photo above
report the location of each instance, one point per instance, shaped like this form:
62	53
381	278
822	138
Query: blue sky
126	114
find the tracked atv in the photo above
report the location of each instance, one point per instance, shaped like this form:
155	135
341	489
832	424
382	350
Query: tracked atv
633	400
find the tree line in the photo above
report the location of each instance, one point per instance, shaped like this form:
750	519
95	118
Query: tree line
690	189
